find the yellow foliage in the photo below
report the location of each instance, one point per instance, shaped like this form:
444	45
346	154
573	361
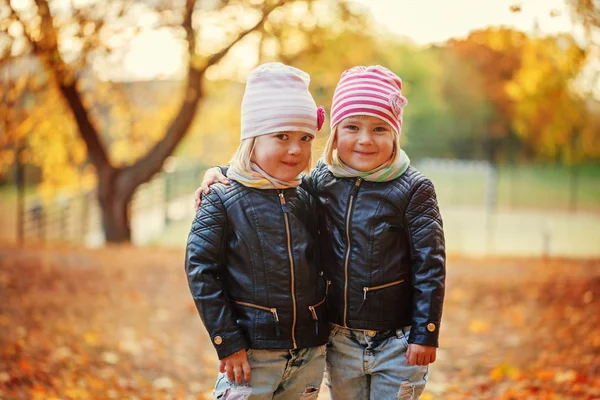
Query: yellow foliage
479	326
505	371
547	113
90	339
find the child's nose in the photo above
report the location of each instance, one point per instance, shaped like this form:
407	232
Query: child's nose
364	137
294	148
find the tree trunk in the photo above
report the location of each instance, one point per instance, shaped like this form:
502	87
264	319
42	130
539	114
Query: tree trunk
117	185
114	197
115	220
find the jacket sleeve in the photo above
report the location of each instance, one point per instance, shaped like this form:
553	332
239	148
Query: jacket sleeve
426	238
313	183
307	184
205	271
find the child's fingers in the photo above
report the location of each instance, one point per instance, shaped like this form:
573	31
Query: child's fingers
197	197
247	372
222	366
230	375
409	356
222	179
416	359
432	358
237	370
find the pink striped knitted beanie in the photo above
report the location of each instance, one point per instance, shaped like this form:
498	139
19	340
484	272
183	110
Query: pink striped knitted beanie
374	91
277	99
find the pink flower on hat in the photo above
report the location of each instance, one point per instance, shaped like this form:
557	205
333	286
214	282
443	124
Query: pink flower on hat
397	103
320	117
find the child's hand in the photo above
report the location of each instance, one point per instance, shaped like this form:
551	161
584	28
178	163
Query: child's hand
418	354
212	175
235	365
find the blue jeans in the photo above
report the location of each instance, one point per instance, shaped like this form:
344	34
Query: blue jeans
277	374
372	365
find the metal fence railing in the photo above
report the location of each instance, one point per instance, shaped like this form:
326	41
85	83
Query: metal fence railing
77	218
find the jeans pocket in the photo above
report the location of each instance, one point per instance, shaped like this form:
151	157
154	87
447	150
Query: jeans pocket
402	335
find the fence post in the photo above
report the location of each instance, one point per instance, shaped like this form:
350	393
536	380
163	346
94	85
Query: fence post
38	217
574	186
167	194
20	195
64	215
513	186
491	203
85	199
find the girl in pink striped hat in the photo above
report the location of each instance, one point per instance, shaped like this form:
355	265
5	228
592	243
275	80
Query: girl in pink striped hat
382	243
251	256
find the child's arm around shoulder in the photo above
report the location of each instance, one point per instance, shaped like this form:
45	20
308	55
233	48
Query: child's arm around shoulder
426	238
311	183
216	174
204	268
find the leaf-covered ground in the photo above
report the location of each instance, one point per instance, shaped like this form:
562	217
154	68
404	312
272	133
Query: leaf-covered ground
120	324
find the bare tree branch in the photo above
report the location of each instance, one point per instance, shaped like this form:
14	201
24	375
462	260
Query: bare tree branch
67	83
151	163
215	58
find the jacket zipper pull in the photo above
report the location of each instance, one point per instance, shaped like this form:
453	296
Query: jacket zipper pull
315	318
282	201
365	290
356	186
276	318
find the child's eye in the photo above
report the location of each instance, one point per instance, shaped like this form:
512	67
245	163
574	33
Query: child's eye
381	129
307	138
351	127
282	136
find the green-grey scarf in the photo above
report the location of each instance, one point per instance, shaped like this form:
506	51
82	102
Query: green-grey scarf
385	172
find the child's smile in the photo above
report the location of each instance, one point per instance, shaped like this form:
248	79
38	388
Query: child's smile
364	142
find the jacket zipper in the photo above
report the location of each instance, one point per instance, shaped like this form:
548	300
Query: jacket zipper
327	283
352	194
314	315
289	247
271	310
369	289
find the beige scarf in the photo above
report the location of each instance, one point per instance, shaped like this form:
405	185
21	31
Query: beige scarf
257	178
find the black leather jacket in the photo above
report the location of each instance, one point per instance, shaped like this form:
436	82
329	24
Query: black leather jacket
383	250
251	263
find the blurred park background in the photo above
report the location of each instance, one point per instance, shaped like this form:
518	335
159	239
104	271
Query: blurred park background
112	110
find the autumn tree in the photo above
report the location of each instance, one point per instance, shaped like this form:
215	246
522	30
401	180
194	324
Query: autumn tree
496	54
70	40
548	112
531	83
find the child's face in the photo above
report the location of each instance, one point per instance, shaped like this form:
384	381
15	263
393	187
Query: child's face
364	142
283	155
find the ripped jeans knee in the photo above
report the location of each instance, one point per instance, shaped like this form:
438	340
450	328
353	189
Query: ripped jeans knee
310	393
